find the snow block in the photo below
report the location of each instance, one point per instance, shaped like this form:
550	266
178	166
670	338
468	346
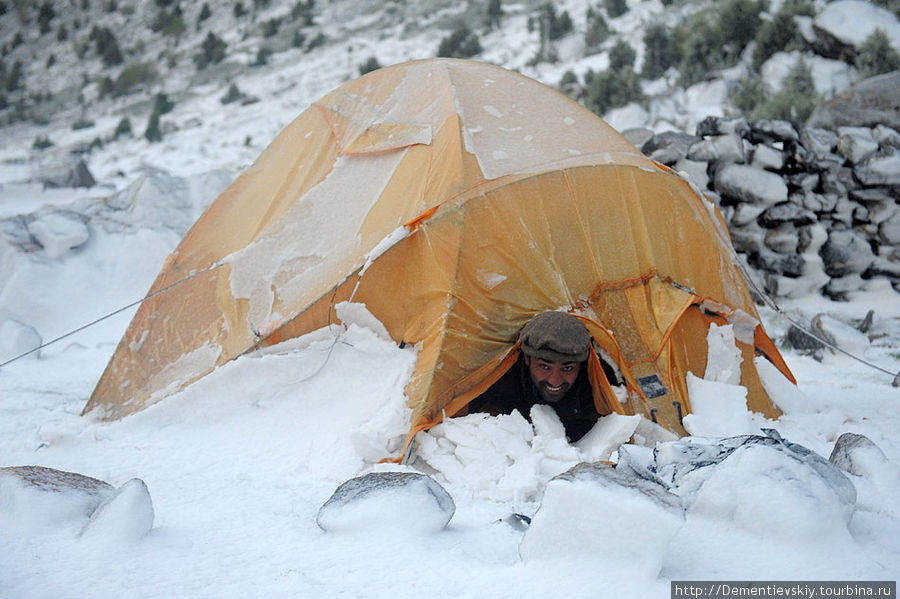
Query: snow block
607	435
405	502
613	522
125	516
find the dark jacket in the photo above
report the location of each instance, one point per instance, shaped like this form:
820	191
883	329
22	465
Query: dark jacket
516	391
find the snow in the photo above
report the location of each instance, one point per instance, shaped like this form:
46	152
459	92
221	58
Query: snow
852	21
239	464
215	491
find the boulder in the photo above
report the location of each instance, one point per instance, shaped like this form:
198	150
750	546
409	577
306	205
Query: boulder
803	342
668	147
819	141
839	181
813	498
889	230
781	263
812	238
838	287
856	144
722	148
749	184
36	497
854	453
766	131
786	212
814	202
768	158
38	500
747	239
882	168
717	125
803	181
68	172
58	231
846	252
745	214
876	477
868	103
886	136
696	171
836	40
878	202
387	502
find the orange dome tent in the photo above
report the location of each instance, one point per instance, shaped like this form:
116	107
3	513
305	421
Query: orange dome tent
455	199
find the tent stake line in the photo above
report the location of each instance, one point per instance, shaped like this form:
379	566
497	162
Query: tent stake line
111	314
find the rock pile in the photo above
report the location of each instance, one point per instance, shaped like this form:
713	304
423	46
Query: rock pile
812	210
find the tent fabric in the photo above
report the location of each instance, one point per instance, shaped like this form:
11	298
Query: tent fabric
455	199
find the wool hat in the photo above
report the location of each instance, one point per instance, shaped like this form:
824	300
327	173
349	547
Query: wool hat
555	336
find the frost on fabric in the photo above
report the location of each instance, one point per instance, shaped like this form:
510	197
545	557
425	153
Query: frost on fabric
396	236
489	279
529	131
298	256
183	370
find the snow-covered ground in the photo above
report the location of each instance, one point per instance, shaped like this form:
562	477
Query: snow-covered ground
238	465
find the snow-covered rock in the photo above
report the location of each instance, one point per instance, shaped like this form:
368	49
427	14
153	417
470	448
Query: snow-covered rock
387	502
16	338
39	499
829	76
751	185
59	231
759	488
126	515
598	517
850	22
35	500
876	478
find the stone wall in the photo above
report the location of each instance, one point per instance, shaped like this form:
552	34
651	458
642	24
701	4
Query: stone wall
812	210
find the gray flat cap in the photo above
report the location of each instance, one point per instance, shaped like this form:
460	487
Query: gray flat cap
556	336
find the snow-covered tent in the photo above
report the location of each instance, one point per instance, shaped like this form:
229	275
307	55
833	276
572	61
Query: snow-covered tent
455	199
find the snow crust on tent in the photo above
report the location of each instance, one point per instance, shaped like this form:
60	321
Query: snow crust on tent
299	265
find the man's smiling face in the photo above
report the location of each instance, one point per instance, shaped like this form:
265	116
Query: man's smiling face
552	379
